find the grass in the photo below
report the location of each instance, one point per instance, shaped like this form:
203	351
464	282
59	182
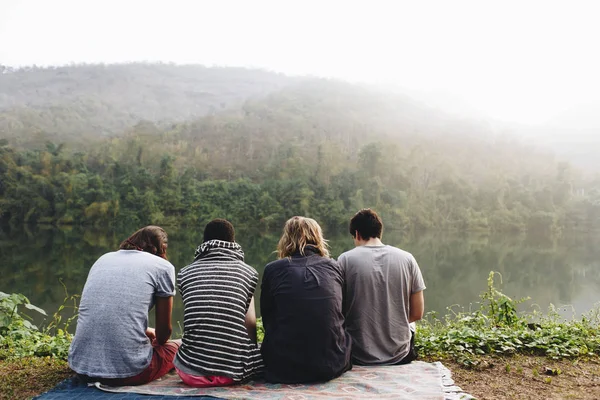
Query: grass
27	377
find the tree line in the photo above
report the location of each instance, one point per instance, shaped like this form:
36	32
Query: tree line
322	149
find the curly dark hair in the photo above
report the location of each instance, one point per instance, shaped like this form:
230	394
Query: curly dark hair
151	239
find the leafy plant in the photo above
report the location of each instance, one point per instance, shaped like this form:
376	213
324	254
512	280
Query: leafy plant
9	313
55	323
19	337
497	328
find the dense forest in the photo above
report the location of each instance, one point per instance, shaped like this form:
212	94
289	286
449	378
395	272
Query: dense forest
263	148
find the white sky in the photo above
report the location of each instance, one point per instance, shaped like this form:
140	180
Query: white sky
523	61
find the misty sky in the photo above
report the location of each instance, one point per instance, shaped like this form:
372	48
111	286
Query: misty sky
523	61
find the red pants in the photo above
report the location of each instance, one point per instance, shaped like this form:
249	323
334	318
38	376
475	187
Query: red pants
162	362
204	381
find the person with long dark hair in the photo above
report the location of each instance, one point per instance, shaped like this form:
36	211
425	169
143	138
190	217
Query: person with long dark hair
301	307
113	343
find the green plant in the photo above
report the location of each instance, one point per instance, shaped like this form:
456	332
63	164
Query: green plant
20	338
501	309
497	328
55	323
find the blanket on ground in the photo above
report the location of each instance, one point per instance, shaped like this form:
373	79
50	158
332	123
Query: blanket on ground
418	380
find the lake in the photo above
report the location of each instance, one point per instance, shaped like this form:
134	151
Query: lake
563	271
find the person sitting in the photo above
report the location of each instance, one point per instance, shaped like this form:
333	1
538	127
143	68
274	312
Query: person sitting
301	307
219	339
383	295
112	342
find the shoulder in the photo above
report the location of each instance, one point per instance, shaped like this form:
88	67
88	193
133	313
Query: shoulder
113	255
353	253
273	266
159	262
149	261
399	252
348	253
248	270
136	257
186	270
332	262
278	263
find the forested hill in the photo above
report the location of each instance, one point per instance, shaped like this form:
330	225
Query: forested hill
79	103
318	148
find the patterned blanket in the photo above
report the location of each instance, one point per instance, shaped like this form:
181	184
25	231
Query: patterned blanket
418	380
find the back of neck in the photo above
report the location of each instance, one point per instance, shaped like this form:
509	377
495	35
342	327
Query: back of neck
372	242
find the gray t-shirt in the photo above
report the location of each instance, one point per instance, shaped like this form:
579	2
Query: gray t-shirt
110	339
378	283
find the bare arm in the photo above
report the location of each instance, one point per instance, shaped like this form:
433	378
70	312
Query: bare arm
163	309
416	306
250	321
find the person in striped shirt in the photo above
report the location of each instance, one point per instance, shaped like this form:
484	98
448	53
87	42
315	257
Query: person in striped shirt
219	337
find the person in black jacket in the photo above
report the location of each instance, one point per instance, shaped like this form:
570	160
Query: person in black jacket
301	307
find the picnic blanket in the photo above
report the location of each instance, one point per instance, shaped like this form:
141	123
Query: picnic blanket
418	380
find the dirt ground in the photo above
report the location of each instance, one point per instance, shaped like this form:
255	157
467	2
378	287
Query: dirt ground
526	377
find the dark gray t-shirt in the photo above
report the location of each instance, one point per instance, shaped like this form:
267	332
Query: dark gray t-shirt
110	339
378	283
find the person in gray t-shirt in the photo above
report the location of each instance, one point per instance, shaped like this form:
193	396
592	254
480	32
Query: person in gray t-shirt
113	343
383	295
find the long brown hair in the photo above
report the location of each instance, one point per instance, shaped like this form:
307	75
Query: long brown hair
299	232
151	239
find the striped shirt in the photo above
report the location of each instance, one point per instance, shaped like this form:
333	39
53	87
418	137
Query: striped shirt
217	289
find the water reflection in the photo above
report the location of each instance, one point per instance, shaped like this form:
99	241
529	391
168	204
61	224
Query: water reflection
455	266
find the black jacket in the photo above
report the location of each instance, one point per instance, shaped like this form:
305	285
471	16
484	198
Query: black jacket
301	307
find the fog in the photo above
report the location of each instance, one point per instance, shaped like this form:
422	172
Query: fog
531	64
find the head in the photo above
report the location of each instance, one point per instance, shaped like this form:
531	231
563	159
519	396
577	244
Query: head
219	229
366	224
151	239
299	232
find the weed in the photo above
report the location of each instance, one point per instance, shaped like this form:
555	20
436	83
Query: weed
520	370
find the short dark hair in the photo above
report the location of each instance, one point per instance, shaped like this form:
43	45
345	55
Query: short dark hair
367	223
219	229
151	239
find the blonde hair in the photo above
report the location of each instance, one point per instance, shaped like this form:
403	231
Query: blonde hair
299	232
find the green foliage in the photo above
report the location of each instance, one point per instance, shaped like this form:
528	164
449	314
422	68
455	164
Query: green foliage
497	328
500	308
184	179
314	147
20	338
260	330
